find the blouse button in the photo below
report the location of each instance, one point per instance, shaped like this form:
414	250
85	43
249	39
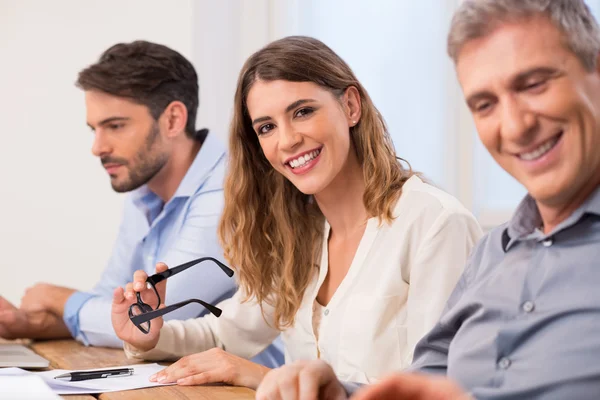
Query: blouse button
326	311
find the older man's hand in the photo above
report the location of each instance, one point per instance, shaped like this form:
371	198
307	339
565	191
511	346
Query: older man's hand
412	387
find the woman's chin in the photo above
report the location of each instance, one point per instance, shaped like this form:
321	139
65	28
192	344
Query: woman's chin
309	184
309	188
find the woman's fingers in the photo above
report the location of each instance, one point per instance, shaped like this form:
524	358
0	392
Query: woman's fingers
129	293
139	280
118	295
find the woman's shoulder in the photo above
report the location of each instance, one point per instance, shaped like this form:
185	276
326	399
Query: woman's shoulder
418	195
423	206
424	210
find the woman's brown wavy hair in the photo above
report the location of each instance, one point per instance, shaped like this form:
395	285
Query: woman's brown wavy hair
270	231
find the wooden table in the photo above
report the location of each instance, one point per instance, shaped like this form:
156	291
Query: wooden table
69	354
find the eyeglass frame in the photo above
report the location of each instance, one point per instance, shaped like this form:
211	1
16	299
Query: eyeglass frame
148	313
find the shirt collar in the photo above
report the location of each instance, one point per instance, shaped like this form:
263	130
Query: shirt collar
211	152
527	219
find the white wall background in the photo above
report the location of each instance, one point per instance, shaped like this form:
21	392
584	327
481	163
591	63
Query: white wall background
59	214
397	51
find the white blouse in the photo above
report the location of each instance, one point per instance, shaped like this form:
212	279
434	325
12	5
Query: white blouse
394	292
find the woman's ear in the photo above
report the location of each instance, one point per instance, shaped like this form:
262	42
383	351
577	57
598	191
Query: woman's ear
352	105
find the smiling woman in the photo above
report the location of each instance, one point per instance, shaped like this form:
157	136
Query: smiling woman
347	253
285	111
299	135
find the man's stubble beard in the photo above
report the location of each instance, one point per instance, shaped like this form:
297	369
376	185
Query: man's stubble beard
147	162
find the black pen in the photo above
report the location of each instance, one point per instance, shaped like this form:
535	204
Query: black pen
85	375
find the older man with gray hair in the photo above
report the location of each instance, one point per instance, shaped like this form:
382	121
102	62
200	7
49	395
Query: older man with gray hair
524	319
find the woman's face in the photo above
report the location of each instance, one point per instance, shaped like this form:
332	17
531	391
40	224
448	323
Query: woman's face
304	130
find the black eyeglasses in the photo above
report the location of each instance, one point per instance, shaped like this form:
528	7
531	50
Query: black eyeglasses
141	313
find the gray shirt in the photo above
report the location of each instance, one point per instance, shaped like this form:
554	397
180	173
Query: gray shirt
524	320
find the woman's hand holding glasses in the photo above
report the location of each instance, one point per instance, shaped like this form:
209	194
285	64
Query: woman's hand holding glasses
122	304
143	301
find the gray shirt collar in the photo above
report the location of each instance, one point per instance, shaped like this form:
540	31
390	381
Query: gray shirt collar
526	220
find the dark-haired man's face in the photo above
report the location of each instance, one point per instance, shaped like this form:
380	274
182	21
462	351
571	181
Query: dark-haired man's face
127	140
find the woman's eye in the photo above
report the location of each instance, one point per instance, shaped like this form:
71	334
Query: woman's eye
266	128
304	112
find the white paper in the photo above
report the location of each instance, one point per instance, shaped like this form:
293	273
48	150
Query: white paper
25	387
139	379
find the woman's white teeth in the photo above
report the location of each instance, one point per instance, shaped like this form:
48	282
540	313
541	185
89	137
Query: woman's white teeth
300	161
540	151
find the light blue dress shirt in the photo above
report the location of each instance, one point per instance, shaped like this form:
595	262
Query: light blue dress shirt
183	229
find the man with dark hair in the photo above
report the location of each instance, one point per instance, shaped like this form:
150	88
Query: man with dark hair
141	101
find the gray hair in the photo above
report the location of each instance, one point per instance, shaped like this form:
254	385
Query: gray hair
478	18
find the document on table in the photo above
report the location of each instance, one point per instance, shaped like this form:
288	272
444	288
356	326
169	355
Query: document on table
139	379
26	387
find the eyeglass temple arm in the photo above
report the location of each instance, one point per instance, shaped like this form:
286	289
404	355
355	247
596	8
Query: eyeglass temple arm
140	319
161	276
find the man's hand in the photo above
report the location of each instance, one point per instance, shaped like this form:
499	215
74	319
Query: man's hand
46	297
16	323
302	380
412	387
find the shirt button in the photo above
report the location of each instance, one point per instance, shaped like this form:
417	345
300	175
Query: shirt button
547	243
504	363
528	306
326	311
